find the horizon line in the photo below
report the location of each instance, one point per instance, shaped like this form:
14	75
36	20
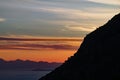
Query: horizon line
28	60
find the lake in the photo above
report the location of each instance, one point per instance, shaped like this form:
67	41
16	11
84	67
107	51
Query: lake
22	75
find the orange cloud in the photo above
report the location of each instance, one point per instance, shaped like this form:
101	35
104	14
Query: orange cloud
38	43
38	47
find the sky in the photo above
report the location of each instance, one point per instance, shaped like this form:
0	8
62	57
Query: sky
49	30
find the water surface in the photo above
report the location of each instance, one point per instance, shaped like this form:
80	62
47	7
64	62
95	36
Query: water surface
22	75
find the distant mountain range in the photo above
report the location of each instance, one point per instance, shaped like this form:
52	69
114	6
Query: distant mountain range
98	57
27	65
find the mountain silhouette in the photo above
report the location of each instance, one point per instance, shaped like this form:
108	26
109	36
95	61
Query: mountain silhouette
27	65
97	58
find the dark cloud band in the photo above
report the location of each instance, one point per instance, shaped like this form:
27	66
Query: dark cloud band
31	39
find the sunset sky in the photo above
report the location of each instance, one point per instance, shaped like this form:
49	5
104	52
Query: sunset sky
49	30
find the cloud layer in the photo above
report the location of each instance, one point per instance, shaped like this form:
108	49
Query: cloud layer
38	47
111	2
49	17
37	44
37	39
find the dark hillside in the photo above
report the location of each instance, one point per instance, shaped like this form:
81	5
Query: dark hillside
97	58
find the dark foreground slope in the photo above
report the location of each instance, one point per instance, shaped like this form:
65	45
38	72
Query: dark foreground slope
98	57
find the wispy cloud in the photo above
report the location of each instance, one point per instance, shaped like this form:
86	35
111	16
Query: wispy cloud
37	39
79	14
34	17
37	43
80	28
38	47
112	2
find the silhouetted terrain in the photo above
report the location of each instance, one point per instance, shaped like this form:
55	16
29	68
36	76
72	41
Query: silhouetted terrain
27	65
98	57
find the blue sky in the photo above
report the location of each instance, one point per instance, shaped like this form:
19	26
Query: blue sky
54	18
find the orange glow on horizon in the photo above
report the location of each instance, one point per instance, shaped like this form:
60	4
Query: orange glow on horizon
44	49
49	56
